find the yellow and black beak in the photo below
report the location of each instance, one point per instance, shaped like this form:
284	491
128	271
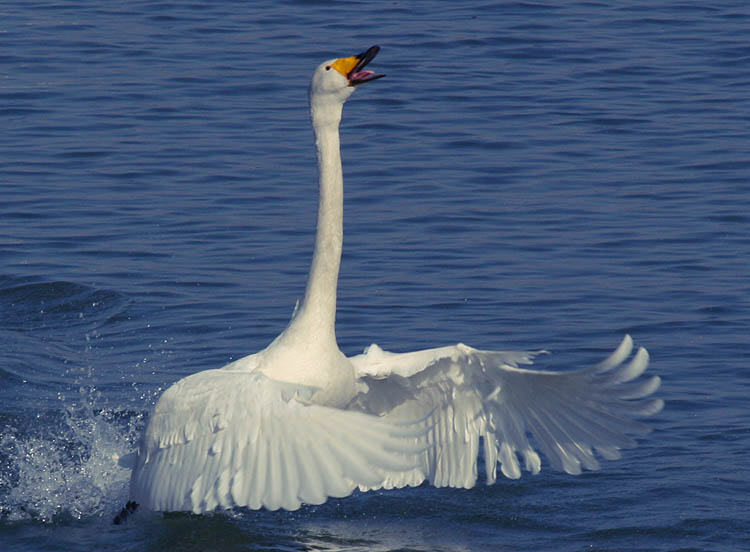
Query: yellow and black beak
353	68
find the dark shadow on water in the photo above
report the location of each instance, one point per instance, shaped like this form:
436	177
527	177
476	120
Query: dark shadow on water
218	532
345	525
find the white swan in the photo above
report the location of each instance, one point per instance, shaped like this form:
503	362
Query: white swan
299	422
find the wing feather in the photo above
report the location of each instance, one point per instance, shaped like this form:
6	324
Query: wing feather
312	489
468	393
224	438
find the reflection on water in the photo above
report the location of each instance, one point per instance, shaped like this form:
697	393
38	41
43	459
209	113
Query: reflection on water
291	532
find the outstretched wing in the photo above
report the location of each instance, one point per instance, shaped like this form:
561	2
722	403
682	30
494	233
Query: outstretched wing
469	394
225	438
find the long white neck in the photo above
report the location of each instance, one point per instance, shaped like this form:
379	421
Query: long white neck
317	313
306	352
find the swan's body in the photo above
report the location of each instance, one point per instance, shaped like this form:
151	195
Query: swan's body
299	421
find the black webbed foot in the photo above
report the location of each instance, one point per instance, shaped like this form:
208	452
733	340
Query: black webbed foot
122	517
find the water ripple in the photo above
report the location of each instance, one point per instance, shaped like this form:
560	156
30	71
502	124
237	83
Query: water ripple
529	175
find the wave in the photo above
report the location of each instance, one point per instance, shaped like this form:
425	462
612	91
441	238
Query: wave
28	303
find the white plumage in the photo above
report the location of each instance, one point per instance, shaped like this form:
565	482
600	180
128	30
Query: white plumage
300	422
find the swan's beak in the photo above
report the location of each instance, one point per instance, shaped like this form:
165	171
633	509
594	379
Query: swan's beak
353	67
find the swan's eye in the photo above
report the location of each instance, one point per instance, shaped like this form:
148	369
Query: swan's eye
328	67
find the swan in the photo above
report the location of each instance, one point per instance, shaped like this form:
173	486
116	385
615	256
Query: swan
299	422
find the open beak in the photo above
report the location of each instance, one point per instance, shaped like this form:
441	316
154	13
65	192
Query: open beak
353	68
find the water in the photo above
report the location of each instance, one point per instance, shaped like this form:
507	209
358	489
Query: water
529	175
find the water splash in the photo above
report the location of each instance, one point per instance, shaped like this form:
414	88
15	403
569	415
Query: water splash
62	466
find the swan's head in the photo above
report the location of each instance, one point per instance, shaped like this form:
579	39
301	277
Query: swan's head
334	80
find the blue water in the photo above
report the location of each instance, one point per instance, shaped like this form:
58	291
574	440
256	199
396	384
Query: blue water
529	175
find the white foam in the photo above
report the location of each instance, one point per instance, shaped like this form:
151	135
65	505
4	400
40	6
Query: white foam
62	466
